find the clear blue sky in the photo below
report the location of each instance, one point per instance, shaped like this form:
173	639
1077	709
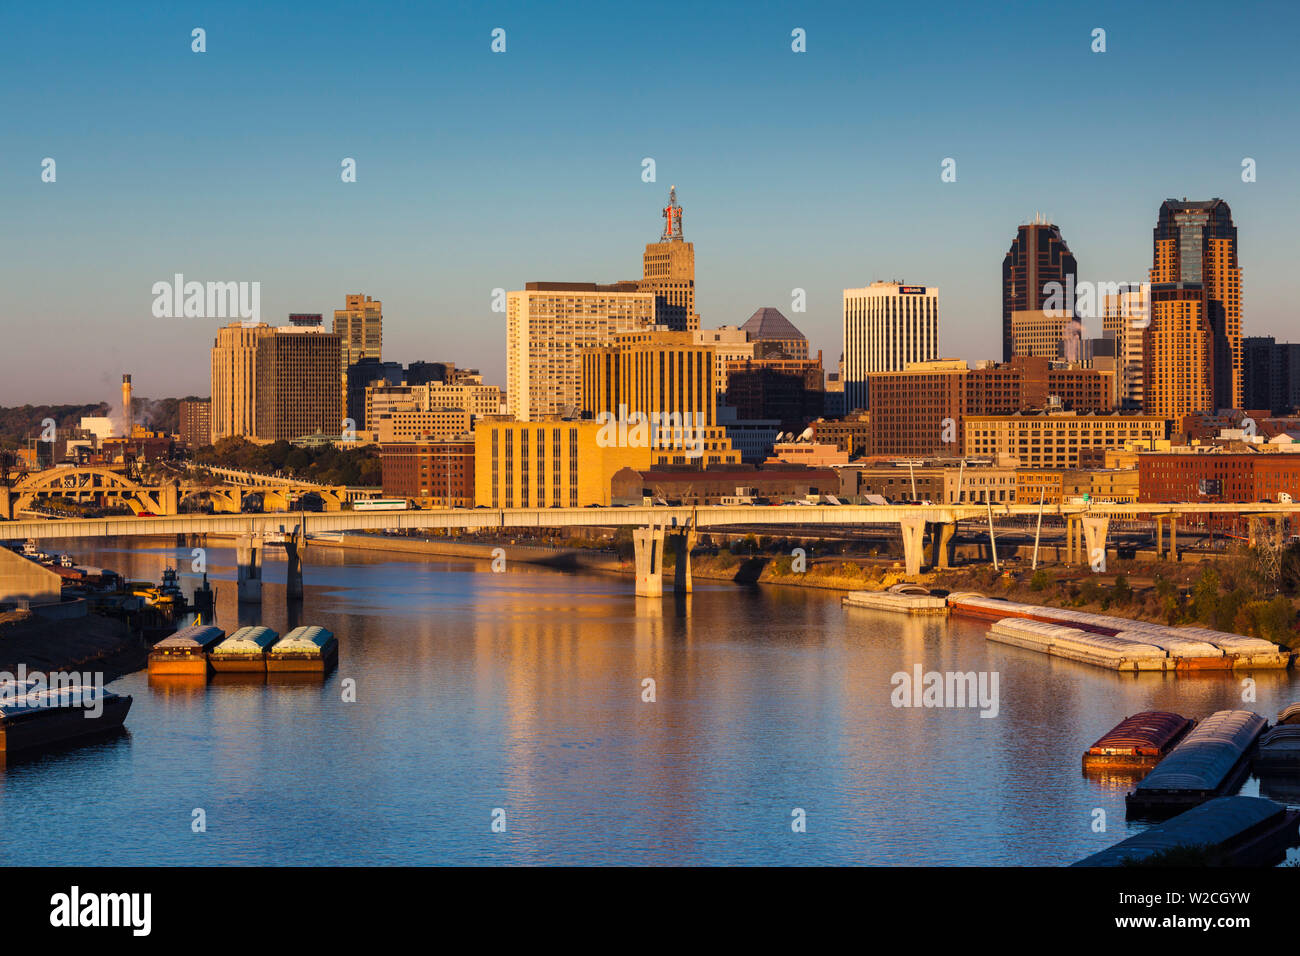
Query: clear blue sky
478	170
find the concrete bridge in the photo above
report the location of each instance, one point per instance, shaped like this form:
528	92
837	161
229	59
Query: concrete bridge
1087	526
106	487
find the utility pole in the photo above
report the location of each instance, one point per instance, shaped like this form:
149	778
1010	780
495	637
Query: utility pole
1042	493
993	544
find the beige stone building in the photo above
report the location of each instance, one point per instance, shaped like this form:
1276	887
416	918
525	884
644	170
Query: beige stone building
1038	332
1055	439
548	326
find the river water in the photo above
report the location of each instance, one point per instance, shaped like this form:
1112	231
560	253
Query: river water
518	697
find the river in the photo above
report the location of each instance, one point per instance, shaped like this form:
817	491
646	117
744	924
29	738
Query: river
517	697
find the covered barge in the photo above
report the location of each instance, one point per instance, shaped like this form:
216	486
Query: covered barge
1211	761
186	651
243	651
304	650
1138	742
31	720
1225	831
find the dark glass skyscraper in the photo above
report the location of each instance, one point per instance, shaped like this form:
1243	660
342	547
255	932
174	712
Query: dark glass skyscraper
1038	255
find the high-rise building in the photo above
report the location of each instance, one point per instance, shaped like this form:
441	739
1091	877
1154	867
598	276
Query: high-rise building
234	379
788	390
651	372
1271	373
1038	256
365	374
1125	317
360	328
1192	347
668	272
548	325
887	326
729	344
298	384
195	421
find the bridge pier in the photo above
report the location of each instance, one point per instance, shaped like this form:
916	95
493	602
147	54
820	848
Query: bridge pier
1094	533
293	582
248	561
649	550
941	542
6	504
1172	520
683	542
913	528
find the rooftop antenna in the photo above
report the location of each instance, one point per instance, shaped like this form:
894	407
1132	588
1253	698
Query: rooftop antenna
672	218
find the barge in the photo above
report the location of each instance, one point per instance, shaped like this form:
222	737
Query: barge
1291	715
304	650
1138	742
1071	643
32	719
1186	648
1211	761
893	601
1279	750
186	651
1225	831
243	651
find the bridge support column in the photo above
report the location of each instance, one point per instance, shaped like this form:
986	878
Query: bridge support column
248	560
941	535
6	504
169	499
293	582
683	542
913	527
1070	531
1094	534
649	549
1173	538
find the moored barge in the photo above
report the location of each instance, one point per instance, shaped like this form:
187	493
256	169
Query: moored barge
31	719
243	651
186	651
304	650
1279	750
1138	742
1211	761
1225	831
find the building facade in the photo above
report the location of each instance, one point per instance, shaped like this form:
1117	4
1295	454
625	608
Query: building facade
668	272
432	474
1055	439
1038	257
1193	348
887	326
548	326
195	421
298	384
234	380
1125	317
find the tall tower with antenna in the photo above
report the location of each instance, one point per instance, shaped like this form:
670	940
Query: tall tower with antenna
668	271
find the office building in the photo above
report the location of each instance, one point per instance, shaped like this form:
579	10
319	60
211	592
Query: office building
887	326
234	379
1038	257
548	326
195	421
298	384
432	474
1125	317
1192	348
1052	439
668	272
775	335
1271	371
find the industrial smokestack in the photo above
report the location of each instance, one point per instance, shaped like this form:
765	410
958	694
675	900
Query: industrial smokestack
126	406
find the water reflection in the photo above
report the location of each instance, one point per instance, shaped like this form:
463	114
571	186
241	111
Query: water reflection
525	691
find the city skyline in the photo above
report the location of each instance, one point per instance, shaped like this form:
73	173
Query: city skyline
252	201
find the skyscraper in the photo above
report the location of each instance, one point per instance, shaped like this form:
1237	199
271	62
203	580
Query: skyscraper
1192	348
887	326
548	325
297	384
668	272
1125	317
1038	255
234	380
360	327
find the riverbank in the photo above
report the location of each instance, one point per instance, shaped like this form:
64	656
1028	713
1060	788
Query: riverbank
90	643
